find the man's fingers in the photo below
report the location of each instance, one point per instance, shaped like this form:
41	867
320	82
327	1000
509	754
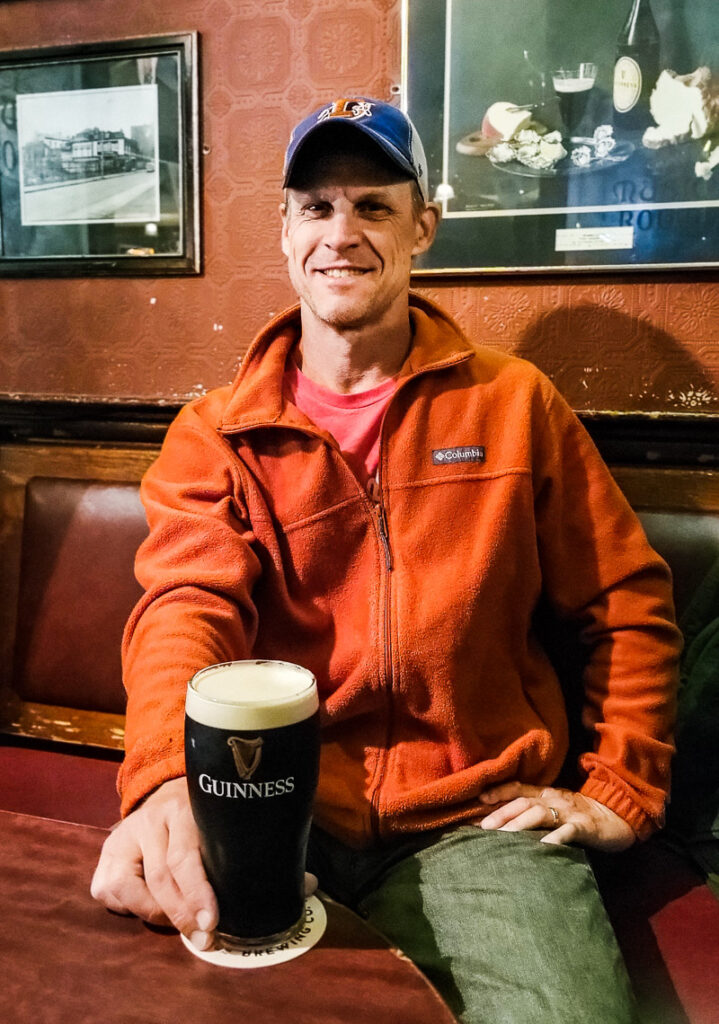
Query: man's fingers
188	873
571	817
566	833
176	877
510	812
151	866
124	891
533	817
136	899
508	791
162	885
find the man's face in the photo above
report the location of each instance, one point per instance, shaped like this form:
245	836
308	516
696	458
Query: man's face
349	234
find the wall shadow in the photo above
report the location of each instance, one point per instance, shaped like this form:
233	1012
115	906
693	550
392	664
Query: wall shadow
603	359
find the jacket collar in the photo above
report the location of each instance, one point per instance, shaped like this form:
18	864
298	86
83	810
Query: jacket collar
257	393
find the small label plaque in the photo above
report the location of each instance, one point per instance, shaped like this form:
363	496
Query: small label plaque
581	239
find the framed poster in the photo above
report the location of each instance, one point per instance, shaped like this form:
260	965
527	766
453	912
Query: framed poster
98	159
567	134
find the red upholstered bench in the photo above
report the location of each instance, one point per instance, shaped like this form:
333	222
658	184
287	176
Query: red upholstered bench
66	559
667	922
76	591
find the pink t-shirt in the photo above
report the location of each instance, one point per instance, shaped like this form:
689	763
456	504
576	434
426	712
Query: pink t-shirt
353	420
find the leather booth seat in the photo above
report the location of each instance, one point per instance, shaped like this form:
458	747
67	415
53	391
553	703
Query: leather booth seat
76	591
689	542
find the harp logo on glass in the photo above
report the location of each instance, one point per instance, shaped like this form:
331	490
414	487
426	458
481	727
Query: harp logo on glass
247	755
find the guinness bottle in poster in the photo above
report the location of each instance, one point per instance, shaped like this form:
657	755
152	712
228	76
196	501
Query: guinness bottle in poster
636	69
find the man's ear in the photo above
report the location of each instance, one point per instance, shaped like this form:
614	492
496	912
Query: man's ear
426	228
284	214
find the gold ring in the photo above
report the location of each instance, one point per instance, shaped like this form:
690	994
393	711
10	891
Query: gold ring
555	816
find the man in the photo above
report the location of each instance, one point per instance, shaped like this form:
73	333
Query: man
380	501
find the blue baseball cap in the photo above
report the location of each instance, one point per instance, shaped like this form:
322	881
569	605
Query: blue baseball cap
392	130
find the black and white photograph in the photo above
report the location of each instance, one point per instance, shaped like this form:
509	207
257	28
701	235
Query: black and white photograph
89	156
99	165
565	135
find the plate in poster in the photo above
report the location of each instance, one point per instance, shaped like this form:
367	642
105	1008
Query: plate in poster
621	152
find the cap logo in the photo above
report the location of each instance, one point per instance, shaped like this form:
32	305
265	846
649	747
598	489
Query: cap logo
353	109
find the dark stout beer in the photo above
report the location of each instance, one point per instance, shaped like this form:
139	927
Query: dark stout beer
573	87
252	759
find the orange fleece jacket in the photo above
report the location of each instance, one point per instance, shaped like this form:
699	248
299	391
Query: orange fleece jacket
416	614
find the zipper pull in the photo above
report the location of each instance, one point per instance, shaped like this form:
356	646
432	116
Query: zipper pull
384	534
375	496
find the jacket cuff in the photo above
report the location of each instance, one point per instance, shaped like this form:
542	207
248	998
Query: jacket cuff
135	784
616	799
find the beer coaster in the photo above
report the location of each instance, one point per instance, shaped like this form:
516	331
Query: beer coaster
266	956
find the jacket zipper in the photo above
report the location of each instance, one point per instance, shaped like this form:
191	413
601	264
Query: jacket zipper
380	514
383	531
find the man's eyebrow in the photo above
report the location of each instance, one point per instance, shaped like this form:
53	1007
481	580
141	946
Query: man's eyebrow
376	194
300	192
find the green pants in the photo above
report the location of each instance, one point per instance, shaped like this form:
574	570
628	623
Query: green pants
510	930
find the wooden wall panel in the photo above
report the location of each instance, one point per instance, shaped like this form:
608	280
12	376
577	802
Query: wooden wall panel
619	343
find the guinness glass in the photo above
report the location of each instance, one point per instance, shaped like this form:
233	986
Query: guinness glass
252	758
573	86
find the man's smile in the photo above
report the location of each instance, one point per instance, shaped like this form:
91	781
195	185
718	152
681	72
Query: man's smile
343	271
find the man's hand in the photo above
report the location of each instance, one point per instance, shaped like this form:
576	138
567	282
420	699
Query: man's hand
572	818
150	866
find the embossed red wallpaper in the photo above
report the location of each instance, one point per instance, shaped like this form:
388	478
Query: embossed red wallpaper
619	343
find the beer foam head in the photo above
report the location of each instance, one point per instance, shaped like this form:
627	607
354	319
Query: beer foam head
573	84
252	695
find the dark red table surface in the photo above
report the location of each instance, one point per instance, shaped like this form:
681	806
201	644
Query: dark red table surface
69	961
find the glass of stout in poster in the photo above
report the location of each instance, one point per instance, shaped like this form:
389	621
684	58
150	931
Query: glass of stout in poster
252	760
573	85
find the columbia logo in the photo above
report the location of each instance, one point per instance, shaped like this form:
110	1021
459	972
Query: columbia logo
468	453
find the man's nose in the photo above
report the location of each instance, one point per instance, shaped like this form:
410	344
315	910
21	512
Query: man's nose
343	231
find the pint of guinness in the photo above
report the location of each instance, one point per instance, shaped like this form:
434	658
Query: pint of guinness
252	761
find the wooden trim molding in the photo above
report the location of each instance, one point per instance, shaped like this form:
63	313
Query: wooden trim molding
71	726
628	438
669	489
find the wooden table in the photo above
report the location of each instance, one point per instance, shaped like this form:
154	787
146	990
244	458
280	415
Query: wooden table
69	961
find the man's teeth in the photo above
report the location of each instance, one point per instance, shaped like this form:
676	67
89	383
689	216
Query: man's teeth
343	272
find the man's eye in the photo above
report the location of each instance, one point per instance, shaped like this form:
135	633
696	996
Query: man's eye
314	209
375	211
